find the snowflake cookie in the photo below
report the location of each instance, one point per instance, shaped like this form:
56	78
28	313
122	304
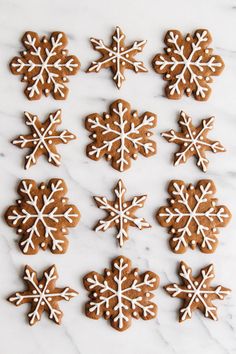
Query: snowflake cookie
121	213
120	294
45	65
42	216
42	295
120	135
196	292
193	216
193	141
117	56
188	64
43	138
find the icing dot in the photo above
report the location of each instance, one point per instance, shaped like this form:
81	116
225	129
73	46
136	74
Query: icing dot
36	299
127	213
168	50
42	186
196	283
193	242
148	294
34	135
135	156
49	142
172	230
44	40
189	286
204	286
117	221
49	299
112	213
125	221
194	133
35	142
205	296
191	187
201	138
95	294
188	90
114	48
214	229
34	291
187	135
19	231
108	273
122	49
19	201
197	299
64	52
109	157
42	129
206	51
116	206
126	55
207	78
192	148
189	295
123	63
114	60
63	229
50	132
47	291
46	91
64	79
134	114
107	313
43	244
124	205
25	78
24	52
135	313
107	116
185	144
40	286
41	146
63	200
42	303
94	135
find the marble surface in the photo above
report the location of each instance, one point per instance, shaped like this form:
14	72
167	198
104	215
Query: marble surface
89	250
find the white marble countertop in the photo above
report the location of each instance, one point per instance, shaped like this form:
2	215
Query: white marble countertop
93	251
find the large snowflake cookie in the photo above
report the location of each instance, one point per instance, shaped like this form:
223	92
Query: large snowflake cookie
45	65
188	64
193	216
42	295
117	56
43	138
196	292
42	216
120	135
193	141
121	213
120	294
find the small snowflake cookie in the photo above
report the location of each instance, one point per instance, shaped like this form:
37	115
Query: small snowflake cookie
196	292
193	141
121	213
193	216
44	65
117	56
188	64
120	135
43	138
42	295
120	294
42	216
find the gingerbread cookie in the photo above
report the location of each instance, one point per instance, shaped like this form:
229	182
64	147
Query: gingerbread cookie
45	65
120	294
193	216
193	141
42	295
120	135
188	64
42	216
117	56
43	138
121	213
196	292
